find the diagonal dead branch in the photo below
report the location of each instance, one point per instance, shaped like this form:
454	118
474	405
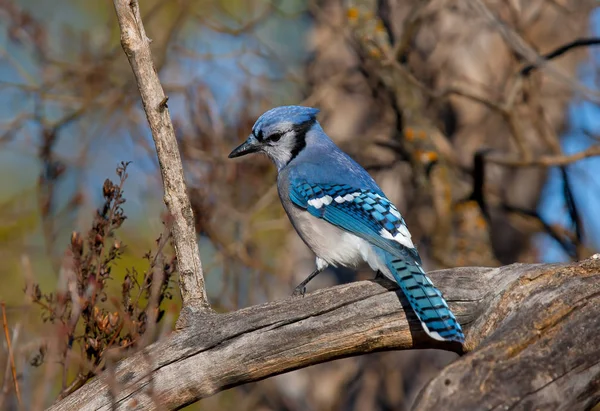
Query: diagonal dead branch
137	48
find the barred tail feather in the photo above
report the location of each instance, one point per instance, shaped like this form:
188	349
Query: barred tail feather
426	300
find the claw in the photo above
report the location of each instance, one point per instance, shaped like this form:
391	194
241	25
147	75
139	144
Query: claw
299	291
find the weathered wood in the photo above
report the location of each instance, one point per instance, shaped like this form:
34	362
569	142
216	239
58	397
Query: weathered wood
137	48
533	328
539	347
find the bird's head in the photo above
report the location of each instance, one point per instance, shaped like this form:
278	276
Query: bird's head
280	133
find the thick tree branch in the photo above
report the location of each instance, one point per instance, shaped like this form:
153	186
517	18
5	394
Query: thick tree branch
137	48
540	351
533	329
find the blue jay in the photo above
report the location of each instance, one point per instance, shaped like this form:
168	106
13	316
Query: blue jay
341	213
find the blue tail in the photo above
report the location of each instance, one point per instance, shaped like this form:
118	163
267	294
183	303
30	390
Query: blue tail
426	300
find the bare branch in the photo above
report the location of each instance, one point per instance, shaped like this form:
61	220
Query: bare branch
510	314
545	160
526	52
137	48
559	51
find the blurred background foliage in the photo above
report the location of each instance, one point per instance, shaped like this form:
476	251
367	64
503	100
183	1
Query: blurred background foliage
429	96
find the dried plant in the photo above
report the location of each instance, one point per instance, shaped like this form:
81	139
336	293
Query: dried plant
93	319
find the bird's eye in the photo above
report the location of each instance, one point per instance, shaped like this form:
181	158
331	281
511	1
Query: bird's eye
275	137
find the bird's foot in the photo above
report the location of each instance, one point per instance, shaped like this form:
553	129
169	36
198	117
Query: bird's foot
299	291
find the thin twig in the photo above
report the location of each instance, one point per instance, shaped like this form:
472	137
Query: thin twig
526	52
10	353
594	41
547	160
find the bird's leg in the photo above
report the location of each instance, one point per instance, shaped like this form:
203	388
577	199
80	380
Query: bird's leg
379	275
300	290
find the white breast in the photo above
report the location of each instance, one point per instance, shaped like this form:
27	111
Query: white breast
335	246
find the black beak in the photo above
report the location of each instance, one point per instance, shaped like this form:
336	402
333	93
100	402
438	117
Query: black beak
252	145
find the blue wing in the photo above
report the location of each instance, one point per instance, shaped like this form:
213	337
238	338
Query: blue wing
362	212
369	215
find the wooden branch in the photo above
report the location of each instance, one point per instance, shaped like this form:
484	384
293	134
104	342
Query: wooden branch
525	51
137	48
585	42
545	160
533	329
541	348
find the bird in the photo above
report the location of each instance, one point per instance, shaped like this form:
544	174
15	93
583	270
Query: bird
341	214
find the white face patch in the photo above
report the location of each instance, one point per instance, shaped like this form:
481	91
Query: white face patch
281	151
400	237
319	202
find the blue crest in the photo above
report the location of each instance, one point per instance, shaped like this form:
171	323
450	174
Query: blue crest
292	114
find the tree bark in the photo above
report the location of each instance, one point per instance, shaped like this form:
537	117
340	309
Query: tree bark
137	48
533	331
